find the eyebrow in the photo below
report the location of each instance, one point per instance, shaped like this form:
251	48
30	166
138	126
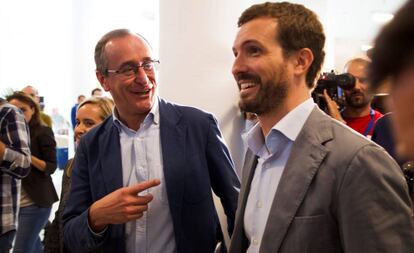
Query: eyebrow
134	63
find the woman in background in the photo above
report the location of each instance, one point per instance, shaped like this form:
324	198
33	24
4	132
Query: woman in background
37	193
89	114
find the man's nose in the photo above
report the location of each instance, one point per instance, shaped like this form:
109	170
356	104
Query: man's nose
239	66
141	76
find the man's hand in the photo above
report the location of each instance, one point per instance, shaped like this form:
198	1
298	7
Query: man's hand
120	206
332	107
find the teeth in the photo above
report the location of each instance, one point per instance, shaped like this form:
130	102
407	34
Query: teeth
247	85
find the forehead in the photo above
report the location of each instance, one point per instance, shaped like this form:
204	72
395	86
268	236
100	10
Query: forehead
357	68
29	90
88	110
18	103
127	48
261	30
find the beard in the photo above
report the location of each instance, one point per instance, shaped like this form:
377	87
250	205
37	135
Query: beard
271	94
357	102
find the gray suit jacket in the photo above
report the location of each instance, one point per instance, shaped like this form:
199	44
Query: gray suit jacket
339	192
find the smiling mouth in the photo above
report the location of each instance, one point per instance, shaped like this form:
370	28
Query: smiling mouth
245	86
144	91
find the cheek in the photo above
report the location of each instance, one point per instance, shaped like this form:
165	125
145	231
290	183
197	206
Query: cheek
28	115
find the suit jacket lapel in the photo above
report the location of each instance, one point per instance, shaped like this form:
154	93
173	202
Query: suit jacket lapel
303	163
239	241
111	165
173	139
110	155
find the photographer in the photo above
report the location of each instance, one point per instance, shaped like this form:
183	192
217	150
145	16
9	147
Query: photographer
357	113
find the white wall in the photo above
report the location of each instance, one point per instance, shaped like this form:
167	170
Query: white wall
196	38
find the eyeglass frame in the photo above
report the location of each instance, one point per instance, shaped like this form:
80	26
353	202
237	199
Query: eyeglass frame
152	62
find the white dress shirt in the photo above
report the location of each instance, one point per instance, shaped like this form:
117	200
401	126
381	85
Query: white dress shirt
142	160
273	152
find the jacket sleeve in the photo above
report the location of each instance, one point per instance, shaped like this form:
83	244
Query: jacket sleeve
15	135
223	178
77	235
47	148
374	208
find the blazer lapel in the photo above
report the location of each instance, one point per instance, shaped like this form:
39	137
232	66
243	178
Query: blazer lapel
110	156
303	163
111	166
173	139
239	241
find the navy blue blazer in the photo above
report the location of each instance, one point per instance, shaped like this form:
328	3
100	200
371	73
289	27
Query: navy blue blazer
195	160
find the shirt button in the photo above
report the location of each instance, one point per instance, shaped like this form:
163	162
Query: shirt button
259	204
255	242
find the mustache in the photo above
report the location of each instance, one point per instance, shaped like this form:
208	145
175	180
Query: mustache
355	92
247	76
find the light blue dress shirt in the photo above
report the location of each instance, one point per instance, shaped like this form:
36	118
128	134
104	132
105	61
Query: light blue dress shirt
273	152
142	160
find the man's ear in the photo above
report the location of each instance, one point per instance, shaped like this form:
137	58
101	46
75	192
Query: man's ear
303	60
102	80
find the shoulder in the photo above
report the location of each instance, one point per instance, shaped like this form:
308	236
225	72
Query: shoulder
335	136
8	111
189	114
93	135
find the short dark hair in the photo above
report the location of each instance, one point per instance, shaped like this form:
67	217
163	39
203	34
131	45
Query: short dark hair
94	90
100	57
298	27
394	47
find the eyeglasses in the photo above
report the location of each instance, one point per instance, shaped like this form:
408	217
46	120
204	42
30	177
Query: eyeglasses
131	70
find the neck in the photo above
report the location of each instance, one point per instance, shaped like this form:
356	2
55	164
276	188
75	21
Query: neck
351	112
269	119
132	122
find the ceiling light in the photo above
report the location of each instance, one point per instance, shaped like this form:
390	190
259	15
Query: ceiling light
382	17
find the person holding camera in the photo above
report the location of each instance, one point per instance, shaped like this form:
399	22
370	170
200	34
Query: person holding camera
357	113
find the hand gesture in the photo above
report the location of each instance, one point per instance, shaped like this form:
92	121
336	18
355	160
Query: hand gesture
121	206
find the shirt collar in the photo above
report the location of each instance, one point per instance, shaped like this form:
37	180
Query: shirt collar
289	127
153	117
291	124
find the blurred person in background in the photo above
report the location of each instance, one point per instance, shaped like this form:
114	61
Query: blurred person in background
32	91
357	113
80	99
38	192
97	92
90	113
14	165
393	66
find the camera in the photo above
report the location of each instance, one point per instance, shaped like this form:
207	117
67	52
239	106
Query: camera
333	84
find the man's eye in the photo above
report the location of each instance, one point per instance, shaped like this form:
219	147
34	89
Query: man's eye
254	51
127	70
147	65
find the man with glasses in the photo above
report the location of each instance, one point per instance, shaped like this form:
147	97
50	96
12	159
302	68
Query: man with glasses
142	179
